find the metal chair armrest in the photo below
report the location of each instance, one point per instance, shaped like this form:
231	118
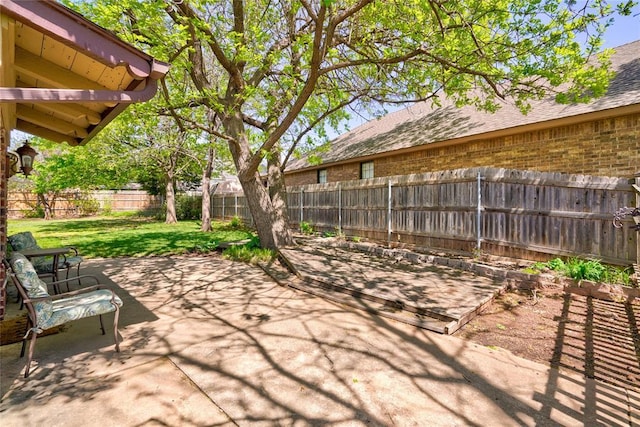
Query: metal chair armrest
84	276
78	292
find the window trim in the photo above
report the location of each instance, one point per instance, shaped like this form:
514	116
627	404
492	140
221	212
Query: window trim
319	174
368	167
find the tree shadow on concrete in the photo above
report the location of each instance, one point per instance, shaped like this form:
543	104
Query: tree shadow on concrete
599	340
266	354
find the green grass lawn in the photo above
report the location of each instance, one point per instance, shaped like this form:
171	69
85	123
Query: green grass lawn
109	237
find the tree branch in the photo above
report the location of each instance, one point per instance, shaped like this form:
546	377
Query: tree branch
191	18
313	124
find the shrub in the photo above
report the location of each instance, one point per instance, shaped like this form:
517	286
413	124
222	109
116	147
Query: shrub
579	269
306	227
250	252
188	207
107	207
206	247
585	270
236	223
86	205
36	212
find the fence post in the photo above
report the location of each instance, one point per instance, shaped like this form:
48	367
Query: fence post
479	214
223	199
301	208
389	212
339	208
236	204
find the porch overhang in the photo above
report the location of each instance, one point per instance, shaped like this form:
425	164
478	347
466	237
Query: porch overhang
64	78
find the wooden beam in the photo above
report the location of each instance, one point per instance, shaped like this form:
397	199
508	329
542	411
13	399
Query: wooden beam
38	95
45	133
7	74
70	112
44	120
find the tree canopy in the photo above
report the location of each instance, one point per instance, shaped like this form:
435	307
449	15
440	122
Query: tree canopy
271	72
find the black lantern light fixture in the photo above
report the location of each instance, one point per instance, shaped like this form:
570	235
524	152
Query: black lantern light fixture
25	155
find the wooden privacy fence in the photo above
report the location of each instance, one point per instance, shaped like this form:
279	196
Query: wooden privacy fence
229	205
513	213
71	203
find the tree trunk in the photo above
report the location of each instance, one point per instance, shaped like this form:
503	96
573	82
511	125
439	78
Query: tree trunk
46	206
171	201
206	190
271	223
277	187
269	220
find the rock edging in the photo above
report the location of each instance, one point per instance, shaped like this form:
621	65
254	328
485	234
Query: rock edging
515	279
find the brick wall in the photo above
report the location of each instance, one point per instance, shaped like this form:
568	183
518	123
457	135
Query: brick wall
346	172
607	147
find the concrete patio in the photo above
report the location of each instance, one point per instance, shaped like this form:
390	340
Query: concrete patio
208	342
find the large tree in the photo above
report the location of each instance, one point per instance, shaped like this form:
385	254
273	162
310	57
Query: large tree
274	70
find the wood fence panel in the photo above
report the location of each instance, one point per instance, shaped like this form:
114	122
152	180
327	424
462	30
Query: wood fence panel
68	204
521	213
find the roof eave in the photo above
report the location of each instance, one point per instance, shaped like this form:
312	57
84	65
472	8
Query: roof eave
530	127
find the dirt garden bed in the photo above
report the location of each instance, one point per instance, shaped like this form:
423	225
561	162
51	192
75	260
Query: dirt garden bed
558	326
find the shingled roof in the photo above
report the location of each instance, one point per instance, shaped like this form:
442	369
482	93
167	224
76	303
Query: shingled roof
422	124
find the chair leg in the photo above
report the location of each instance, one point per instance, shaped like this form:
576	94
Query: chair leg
101	324
26	334
67	279
115	327
78	276
24	346
32	346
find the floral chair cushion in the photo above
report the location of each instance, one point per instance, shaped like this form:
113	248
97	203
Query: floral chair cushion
93	303
22	241
33	285
25	240
71	261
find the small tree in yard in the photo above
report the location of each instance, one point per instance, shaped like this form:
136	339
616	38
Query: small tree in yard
158	153
273	71
61	168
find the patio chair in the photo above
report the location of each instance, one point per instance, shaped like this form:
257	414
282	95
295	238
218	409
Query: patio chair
46	311
44	265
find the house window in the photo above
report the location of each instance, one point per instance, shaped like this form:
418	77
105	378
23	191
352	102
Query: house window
322	176
366	170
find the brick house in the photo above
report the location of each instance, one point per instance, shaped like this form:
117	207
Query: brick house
62	78
599	138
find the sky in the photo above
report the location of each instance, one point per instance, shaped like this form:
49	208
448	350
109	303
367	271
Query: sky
625	29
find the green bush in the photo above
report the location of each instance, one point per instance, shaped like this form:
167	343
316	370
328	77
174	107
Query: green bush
585	270
236	223
87	205
306	227
579	269
107	207
37	212
206	247
250	252
188	207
